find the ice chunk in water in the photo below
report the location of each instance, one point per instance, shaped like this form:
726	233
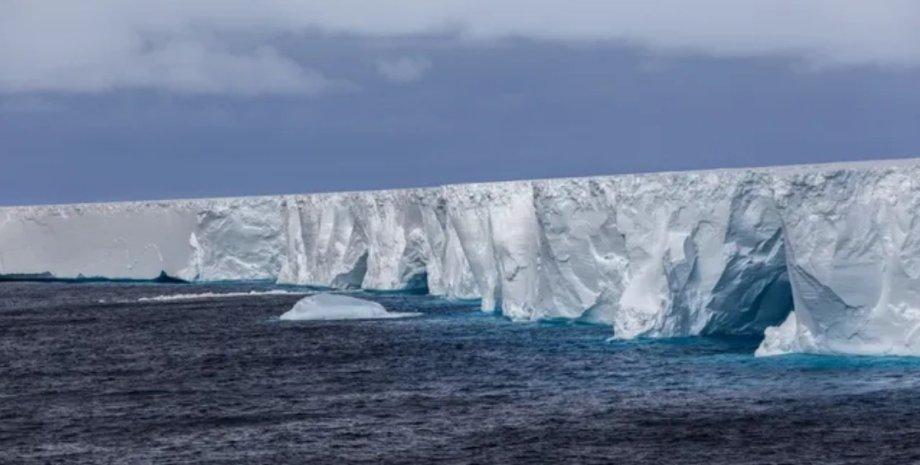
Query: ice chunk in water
339	307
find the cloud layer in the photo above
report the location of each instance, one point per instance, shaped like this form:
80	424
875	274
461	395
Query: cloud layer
403	70
226	46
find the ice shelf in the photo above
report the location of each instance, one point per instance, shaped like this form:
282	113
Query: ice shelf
656	255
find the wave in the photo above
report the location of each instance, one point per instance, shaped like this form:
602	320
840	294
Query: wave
215	295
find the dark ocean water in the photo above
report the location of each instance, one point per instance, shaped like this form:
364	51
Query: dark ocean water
90	375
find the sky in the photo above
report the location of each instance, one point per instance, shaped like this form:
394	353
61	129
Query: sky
142	99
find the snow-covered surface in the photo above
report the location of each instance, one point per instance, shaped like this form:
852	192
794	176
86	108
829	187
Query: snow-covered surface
339	307
660	254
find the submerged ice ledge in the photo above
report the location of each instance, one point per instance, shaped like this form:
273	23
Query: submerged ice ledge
656	255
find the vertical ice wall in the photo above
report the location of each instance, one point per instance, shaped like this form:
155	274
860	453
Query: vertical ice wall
853	255
110	240
664	254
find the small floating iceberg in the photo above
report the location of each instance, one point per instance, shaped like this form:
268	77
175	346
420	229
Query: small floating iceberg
339	307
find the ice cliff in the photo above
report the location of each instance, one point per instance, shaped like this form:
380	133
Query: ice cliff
663	254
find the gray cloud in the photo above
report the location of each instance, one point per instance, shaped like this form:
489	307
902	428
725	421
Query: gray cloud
404	69
225	46
101	46
182	67
28	104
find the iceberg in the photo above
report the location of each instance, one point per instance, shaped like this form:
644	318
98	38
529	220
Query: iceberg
339	307
651	255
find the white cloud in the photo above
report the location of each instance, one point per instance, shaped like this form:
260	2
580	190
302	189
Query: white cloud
101	46
180	45
182	67
404	69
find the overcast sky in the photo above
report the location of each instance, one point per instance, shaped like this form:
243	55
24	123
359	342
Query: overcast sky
122	100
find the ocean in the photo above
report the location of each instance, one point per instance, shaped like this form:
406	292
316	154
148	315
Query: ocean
123	373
